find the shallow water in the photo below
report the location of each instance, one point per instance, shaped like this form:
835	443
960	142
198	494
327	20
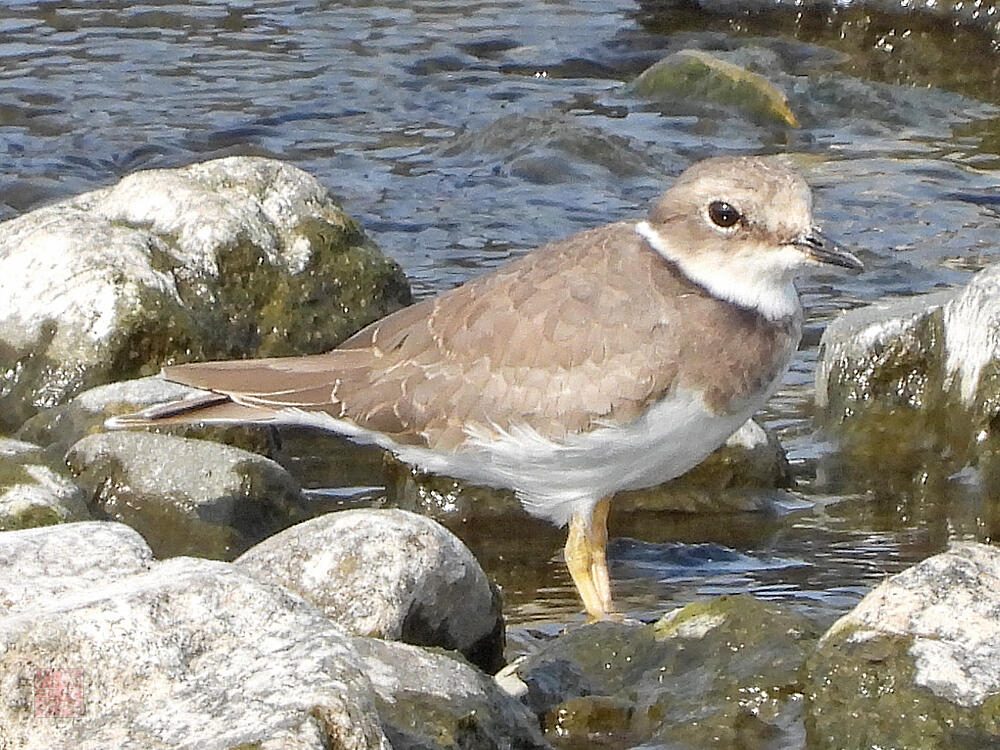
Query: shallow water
464	133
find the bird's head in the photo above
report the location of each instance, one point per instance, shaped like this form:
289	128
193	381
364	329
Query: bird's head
742	227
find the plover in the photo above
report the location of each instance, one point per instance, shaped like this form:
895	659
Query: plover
611	360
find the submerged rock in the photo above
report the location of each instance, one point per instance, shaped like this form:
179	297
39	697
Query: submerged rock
722	673
230	258
35	490
914	665
696	74
186	496
388	574
191	653
922	374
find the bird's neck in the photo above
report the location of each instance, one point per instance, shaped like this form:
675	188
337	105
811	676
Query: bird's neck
758	290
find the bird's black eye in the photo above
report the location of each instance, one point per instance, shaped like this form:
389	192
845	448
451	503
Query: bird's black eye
723	214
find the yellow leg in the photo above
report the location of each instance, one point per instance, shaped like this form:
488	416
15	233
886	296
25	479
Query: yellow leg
587	563
599	562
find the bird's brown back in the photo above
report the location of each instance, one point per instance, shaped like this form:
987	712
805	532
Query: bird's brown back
582	333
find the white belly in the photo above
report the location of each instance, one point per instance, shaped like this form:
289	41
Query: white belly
554	480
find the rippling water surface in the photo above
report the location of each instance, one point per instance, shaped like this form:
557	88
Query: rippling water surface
462	134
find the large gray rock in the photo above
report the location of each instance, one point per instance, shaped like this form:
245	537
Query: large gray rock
186	496
189	654
34	489
49	563
388	574
234	257
917	663
428	700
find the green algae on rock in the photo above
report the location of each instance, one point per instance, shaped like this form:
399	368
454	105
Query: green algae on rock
235	257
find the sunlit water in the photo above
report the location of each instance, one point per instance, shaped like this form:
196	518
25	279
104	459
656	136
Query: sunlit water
463	134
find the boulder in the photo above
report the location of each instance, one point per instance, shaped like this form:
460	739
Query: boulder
34	489
915	664
186	496
235	257
191	653
388	574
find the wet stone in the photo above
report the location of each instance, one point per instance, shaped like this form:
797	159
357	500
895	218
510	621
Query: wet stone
914	665
186	496
721	673
699	75
428	699
388	574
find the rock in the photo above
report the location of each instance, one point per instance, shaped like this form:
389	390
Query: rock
742	475
191	653
186	496
699	75
234	257
61	426
430	700
45	564
35	491
388	574
914	665
721	673
925	367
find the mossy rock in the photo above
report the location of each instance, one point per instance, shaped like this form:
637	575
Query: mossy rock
236	257
721	673
921	375
186	496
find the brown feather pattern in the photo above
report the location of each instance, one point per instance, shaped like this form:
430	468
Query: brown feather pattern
582	333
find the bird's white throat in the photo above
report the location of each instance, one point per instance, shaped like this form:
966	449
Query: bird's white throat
766	288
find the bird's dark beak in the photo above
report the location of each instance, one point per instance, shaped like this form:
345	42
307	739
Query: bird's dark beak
821	249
